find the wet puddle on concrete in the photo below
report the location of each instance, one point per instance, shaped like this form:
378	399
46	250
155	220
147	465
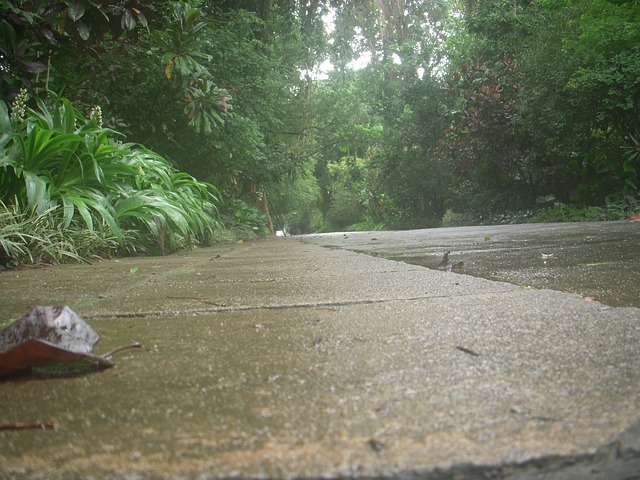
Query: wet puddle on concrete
599	260
593	271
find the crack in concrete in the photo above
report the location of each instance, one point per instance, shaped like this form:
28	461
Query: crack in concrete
248	308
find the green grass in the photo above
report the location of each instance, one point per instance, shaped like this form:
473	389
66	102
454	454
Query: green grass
31	237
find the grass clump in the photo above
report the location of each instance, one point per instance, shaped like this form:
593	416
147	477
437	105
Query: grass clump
31	237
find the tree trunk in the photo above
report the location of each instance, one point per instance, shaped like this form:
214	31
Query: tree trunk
265	208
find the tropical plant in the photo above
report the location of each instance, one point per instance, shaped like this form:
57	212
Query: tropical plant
55	158
185	60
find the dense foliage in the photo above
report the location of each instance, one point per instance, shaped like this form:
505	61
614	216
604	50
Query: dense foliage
432	112
66	168
500	110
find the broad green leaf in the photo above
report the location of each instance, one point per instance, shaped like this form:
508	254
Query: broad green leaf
76	10
44	114
142	19
5	119
84	30
8	42
98	172
68	119
128	22
37	193
167	57
68	209
131	206
83	211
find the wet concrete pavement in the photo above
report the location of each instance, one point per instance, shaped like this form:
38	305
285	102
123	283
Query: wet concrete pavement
282	359
599	260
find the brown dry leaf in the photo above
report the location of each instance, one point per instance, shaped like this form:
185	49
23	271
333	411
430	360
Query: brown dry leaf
47	335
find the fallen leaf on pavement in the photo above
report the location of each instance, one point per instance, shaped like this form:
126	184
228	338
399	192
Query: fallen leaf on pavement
47	335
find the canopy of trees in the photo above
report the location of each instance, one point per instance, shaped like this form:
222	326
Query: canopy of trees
430	112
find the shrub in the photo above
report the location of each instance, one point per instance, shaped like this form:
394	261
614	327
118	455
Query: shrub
56	163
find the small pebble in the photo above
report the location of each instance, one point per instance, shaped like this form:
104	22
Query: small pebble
376	445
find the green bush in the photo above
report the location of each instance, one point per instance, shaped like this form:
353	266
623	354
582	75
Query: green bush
452	219
56	163
244	221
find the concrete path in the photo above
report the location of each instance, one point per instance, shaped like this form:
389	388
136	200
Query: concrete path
280	359
599	260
